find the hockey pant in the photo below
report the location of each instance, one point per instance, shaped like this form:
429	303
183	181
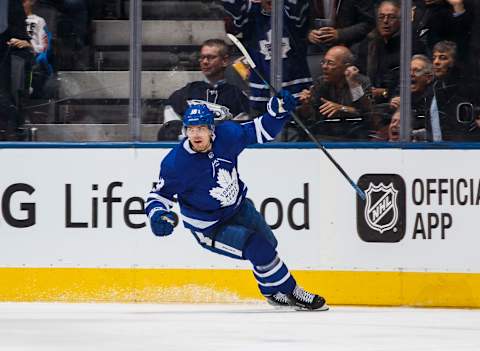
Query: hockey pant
247	236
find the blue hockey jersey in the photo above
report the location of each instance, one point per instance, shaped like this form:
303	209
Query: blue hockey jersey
249	19
208	185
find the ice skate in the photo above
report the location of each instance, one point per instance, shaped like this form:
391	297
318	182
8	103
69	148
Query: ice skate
278	300
305	301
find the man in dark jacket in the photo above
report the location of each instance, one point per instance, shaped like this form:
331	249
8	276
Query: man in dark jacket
421	78
337	107
12	26
451	90
378	56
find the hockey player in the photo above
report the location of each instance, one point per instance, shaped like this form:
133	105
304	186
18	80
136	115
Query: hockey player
202	172
252	19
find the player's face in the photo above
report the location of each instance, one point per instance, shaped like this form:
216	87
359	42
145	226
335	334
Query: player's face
442	62
394	127
212	63
418	76
388	20
200	138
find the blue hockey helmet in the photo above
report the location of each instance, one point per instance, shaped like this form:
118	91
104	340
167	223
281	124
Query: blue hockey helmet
198	115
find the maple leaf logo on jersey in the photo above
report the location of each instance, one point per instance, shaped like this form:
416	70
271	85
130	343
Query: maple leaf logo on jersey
159	185
227	192
266	46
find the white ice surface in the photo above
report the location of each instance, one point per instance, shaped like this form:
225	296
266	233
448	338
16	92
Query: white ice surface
248	327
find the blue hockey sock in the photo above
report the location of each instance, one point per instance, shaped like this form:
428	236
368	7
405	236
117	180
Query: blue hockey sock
271	273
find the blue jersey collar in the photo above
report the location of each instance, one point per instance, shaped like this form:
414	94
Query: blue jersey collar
186	146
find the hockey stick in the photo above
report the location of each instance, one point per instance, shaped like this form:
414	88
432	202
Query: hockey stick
253	66
174	221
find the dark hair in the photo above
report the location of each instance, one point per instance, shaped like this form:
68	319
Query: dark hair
223	48
446	46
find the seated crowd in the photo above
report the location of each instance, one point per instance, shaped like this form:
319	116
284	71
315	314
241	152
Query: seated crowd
341	61
356	46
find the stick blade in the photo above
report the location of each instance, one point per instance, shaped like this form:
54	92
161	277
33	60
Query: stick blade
242	49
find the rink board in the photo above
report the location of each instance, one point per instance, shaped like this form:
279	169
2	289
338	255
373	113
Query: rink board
71	227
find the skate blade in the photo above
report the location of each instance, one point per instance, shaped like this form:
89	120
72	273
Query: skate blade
281	307
325	307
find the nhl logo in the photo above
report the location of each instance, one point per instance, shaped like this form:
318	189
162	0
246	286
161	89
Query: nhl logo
381	211
381	218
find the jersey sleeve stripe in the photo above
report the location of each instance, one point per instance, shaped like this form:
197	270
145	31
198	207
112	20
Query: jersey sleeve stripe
258	98
258	132
197	223
153	196
258	86
261	131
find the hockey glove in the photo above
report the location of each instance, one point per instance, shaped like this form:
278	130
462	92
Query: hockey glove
282	104
162	222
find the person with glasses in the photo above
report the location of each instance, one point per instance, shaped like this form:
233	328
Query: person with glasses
338	104
378	56
227	100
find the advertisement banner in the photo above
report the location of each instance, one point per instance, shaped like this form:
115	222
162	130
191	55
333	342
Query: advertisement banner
84	208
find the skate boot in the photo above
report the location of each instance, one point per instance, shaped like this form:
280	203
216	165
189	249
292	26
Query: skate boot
303	300
278	300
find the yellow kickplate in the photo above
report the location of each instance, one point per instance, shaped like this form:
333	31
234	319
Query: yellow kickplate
220	286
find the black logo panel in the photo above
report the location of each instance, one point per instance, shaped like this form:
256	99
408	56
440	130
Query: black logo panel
382	216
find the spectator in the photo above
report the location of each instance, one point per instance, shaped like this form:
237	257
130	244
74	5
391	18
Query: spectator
421	77
226	100
12	32
379	54
449	90
437	20
38	44
474	46
252	19
394	127
351	21
338	105
36	29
